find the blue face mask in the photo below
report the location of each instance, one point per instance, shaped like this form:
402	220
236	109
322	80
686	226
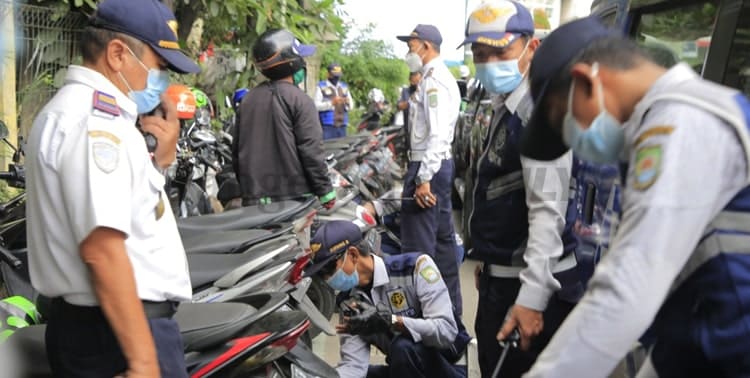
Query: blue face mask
157	82
343	282
602	141
500	77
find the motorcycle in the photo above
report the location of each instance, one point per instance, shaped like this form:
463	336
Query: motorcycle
248	337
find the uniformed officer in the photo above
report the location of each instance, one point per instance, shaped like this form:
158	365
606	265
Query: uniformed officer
426	222
518	230
334	101
103	242
403	307
680	258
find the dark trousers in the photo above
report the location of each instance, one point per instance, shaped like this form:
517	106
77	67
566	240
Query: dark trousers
430	230
80	343
409	359
496	296
331	132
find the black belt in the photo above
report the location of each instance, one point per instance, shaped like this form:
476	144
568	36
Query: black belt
153	310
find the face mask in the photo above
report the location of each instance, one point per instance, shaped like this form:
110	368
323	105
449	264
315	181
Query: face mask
343	282
501	77
299	77
602	141
414	61
334	80
157	82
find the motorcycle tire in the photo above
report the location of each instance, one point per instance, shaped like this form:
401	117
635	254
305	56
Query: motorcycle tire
324	299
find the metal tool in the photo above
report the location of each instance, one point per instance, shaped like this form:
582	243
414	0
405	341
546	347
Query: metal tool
397	199
510	342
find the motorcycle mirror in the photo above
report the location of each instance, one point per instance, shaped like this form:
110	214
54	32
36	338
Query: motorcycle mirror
3	130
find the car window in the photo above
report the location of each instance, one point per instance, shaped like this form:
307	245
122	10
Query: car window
679	34
738	65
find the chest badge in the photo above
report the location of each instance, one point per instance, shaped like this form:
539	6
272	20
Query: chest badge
398	300
159	207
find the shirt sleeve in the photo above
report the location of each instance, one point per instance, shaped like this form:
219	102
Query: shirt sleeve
692	174
97	179
437	327
435	100
321	103
355	357
308	135
547	186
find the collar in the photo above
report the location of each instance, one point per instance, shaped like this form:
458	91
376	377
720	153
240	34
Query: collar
432	64
379	272
675	75
95	80
512	100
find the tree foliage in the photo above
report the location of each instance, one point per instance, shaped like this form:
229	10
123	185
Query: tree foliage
232	26
367	63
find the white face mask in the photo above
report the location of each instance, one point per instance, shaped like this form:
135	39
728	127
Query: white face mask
414	61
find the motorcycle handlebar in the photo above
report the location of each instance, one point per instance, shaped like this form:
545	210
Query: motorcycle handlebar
7	256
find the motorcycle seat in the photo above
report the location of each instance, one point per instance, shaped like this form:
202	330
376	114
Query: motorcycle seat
244	217
204	325
207	268
223	241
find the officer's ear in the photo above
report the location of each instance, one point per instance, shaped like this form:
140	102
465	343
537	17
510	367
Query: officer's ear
115	54
353	253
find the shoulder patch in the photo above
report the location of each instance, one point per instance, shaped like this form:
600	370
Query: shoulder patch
652	132
433	98
647	166
106	156
106	103
429	274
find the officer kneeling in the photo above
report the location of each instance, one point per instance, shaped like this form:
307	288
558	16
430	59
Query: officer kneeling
399	304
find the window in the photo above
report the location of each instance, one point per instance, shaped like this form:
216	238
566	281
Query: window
679	34
738	65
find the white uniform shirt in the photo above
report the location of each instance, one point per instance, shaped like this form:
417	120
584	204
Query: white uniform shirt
87	168
434	111
702	167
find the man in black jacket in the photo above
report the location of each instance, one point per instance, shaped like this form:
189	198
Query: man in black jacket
277	150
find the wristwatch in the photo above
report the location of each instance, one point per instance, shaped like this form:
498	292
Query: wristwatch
419	181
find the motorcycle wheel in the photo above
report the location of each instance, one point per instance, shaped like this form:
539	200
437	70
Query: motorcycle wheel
324	299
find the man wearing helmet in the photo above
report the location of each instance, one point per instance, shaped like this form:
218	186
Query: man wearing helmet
277	143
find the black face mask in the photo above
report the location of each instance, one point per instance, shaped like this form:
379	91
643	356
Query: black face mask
412	88
334	80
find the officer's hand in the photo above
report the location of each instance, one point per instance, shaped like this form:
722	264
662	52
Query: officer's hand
145	370
329	205
529	323
166	130
369	320
424	197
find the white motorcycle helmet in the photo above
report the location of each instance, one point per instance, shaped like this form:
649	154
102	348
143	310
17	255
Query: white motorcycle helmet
376	95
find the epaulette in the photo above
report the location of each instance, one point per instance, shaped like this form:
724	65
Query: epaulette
105	103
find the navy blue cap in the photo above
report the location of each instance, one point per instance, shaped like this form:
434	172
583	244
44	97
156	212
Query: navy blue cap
335	69
330	242
424	32
539	140
498	23
148	21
